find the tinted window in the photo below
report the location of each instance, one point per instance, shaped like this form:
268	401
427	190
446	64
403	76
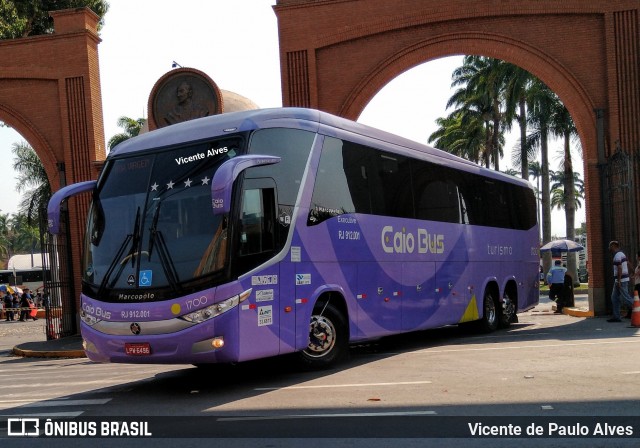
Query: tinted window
342	181
293	146
353	178
437	195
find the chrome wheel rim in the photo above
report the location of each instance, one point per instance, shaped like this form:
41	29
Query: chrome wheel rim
322	337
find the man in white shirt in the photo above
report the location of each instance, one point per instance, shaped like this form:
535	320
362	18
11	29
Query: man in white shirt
621	277
555	279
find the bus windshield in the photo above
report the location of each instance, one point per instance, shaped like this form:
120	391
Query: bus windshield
151	223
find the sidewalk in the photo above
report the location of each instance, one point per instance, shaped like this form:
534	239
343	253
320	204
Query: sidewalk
29	339
580	308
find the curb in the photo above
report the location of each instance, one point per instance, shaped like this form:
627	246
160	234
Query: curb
49	354
578	312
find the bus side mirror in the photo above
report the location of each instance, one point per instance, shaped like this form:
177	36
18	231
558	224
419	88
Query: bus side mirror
53	209
223	179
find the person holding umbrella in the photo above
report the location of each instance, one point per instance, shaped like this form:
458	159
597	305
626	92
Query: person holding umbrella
555	279
621	277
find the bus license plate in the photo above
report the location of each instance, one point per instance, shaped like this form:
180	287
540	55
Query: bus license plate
137	349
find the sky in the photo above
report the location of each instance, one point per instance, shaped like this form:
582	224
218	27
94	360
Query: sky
235	42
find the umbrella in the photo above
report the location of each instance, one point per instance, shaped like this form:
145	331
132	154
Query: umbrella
561	246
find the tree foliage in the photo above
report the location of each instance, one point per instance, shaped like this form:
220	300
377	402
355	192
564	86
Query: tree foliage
33	181
22	18
17	236
490	95
20	233
131	128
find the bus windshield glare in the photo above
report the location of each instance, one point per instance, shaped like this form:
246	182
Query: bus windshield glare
151	223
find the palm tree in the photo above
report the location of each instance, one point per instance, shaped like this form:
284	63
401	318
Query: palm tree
562	126
558	189
512	172
539	105
25	234
478	105
131	129
5	237
32	181
462	134
518	84
535	171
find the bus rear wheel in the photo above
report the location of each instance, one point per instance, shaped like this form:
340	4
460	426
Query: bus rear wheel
490	319
328	341
508	312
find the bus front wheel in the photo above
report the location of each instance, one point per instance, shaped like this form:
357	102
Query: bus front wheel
328	341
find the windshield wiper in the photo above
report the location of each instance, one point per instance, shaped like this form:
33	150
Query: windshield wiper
155	236
114	262
135	236
166	262
152	229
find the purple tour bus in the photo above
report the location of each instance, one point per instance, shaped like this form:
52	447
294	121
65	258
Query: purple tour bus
264	232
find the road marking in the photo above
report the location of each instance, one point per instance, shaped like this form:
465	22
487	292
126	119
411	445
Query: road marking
74	383
330	386
518	347
631	373
48	414
21	404
52	403
300	416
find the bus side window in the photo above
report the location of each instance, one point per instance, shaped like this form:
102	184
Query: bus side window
439	201
257	221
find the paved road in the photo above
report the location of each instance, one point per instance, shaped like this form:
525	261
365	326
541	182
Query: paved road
543	370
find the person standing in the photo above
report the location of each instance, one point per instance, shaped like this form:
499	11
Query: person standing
620	291
8	304
636	274
15	304
555	279
25	306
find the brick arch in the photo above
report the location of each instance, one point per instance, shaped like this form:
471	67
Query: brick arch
533	60
50	94
519	53
337	54
35	138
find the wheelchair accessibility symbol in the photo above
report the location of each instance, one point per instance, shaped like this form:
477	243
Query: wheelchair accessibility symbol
145	278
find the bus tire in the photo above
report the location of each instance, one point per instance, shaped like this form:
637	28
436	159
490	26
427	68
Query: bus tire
328	339
507	312
490	319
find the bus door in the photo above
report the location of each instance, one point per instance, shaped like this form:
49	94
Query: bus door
379	298
418	299
257	243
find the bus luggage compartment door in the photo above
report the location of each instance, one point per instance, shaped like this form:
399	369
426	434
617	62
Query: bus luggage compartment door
379	298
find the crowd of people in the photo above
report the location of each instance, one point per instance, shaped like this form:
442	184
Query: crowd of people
20	306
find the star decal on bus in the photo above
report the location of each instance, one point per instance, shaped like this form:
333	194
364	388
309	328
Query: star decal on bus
154	187
187	183
205	180
170	185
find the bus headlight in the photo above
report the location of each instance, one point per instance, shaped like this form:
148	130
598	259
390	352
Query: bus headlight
215	310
